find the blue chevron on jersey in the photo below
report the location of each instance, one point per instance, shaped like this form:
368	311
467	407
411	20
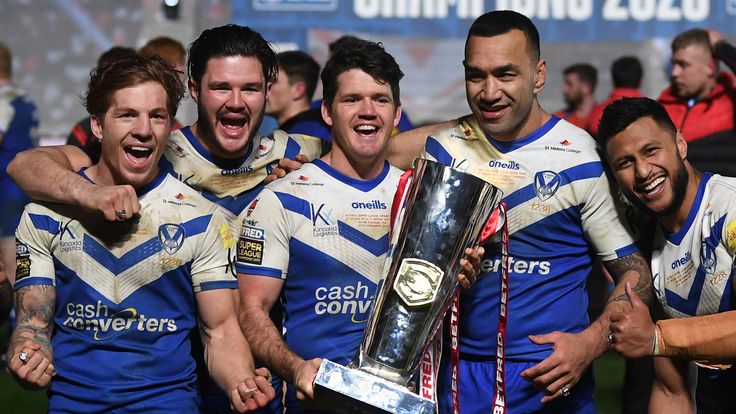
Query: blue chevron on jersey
693	267
125	296
561	213
326	236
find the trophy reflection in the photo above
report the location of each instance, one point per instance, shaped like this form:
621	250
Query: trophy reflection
438	211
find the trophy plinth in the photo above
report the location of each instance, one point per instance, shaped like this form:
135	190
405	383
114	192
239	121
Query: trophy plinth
438	212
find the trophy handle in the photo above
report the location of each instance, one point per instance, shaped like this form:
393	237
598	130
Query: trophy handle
493	225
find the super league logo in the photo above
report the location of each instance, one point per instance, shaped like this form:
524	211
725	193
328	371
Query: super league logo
546	184
171	237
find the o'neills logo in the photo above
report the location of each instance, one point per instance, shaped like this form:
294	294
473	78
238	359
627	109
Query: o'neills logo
507	165
106	323
371	205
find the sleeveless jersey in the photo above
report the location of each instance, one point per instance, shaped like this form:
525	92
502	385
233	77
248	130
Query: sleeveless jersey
125	296
561	213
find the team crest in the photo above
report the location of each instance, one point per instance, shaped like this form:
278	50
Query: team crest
546	184
171	237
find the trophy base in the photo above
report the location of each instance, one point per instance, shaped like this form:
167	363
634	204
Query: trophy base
360	392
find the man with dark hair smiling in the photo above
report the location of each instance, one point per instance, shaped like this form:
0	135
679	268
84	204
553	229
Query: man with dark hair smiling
692	261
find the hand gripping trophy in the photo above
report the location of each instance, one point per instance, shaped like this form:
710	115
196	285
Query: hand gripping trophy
437	212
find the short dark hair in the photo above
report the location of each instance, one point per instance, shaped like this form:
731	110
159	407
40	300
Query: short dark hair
503	21
300	67
113	75
627	72
343	42
371	58
586	73
691	37
114	53
623	112
230	40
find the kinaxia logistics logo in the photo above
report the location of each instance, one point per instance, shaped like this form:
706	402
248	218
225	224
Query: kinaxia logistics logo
323	224
106	322
352	300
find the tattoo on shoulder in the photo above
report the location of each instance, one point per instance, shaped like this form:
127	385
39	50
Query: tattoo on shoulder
634	262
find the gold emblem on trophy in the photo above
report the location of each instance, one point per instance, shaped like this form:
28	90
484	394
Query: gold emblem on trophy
417	281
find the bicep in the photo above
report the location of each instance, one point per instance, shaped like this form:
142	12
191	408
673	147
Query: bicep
259	291
216	307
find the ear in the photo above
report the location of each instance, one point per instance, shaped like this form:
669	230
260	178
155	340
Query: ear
681	145
397	116
713	68
298	91
268	90
96	126
193	91
326	113
540	76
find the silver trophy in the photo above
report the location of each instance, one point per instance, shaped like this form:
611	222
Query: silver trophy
436	215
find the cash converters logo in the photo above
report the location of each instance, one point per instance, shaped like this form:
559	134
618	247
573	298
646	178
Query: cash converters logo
106	323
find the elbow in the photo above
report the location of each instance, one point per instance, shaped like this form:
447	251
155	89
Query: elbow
14	167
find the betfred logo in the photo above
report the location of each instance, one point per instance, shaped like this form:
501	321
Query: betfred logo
565	143
254	233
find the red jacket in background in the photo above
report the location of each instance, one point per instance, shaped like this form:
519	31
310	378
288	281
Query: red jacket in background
595	115
704	117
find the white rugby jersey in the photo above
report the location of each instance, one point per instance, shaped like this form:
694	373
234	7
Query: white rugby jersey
693	267
561	213
125	305
326	235
232	184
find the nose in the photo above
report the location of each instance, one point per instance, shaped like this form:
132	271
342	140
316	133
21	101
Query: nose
642	168
142	127
676	71
490	92
367	108
235	101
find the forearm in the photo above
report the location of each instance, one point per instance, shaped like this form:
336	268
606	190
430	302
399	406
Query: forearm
267	344
46	175
631	269
669	391
34	310
709	338
227	355
727	53
406	146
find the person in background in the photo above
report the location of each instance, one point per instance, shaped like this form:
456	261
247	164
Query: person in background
18	128
701	99
626	75
579	93
291	94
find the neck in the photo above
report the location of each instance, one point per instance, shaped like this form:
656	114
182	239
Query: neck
292	111
365	169
673	222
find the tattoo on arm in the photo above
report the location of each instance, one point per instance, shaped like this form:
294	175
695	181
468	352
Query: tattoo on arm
35	312
636	264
